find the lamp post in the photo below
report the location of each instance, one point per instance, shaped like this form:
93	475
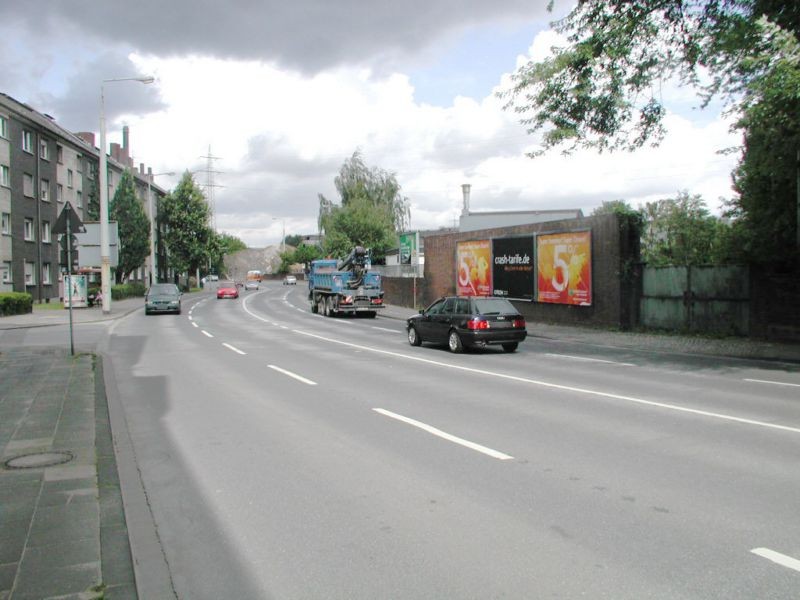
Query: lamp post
151	214
105	252
283	232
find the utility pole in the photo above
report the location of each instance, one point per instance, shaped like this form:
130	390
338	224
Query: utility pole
210	185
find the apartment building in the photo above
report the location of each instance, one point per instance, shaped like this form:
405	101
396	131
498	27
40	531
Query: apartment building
42	167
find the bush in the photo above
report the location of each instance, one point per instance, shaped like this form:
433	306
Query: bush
15	303
127	290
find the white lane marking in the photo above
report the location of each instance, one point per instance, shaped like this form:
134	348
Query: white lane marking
205	333
773	382
195	325
229	347
446	436
777	557
190	317
556	386
293	375
386	329
587	359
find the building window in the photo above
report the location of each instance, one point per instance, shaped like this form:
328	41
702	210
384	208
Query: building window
6	223
69	178
3	127
30	273
44	150
27	185
44	190
79	199
27	141
46	232
60	153
46	274
59	192
5	176
29	235
7	272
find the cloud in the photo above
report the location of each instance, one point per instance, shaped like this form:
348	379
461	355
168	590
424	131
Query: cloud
308	36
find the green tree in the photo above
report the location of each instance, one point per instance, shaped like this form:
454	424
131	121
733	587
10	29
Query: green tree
681	231
371	212
303	255
293	240
189	238
133	227
225	244
602	90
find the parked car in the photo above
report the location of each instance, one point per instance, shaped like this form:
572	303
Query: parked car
227	289
468	322
213	278
290	280
162	297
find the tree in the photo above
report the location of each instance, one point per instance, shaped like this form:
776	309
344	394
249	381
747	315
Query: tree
371	212
303	255
225	244
681	231
133	227
293	240
602	91
189	238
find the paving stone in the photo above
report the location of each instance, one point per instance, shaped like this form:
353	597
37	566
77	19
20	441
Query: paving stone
12	539
7	573
57	582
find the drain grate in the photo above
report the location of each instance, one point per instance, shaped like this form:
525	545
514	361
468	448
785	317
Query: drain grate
37	460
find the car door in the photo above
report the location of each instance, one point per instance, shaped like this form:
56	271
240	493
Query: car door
441	321
425	323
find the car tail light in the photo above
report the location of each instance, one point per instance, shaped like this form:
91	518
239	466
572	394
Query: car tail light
377	301
477	323
519	323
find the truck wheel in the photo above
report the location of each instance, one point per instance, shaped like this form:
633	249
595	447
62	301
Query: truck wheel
454	342
330	309
371	314
314	307
321	306
413	336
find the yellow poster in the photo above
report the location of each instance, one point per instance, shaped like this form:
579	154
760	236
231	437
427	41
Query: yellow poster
474	268
564	268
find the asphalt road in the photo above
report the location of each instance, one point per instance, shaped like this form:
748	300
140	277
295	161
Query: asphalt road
288	455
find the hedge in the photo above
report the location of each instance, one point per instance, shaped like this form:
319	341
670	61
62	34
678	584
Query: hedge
127	290
15	303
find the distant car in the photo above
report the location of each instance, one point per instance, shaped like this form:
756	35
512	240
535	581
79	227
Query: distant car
251	284
468	322
213	278
227	289
290	280
163	297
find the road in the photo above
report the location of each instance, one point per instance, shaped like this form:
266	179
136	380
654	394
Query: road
288	455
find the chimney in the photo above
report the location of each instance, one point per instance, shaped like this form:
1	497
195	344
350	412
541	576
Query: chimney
125	139
141	169
465	190
87	136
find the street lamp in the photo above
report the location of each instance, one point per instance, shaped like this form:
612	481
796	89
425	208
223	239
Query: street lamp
151	214
105	252
283	231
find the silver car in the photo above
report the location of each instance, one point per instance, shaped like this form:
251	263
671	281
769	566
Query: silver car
163	297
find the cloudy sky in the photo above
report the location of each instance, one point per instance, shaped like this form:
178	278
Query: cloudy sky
283	92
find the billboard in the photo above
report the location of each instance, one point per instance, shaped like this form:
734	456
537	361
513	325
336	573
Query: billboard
473	268
512	267
408	247
564	268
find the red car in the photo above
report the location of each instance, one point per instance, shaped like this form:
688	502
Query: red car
227	289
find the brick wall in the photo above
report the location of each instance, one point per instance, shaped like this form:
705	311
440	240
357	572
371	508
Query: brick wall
615	254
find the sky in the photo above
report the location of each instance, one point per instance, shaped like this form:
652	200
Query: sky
282	93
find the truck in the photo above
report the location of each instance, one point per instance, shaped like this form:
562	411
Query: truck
345	287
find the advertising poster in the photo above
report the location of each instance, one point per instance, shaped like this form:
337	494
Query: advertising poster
76	291
512	268
564	268
474	270
407	247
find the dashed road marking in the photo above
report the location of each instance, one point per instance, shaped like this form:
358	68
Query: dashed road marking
292	375
229	347
439	433
773	382
778	558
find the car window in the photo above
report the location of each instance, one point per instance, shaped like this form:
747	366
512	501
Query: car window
494	306
462	306
435	308
449	305
164	288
